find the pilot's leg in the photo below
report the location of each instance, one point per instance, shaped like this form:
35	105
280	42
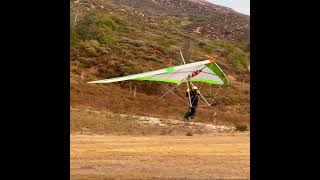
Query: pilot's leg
187	115
193	112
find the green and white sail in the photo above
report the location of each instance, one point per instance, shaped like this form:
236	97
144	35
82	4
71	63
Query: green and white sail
210	73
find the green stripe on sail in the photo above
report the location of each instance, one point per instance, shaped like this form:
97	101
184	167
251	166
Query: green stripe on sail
169	69
158	79
218	72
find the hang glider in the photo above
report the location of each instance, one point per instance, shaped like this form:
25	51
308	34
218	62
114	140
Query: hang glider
206	71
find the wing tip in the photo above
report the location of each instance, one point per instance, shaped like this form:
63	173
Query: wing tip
92	82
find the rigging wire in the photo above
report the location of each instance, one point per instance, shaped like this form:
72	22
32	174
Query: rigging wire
170	90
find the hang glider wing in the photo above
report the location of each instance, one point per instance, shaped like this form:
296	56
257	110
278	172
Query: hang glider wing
210	73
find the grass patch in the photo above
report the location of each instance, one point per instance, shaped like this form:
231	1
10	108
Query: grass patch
241	127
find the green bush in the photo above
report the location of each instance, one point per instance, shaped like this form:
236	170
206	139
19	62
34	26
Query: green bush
127	54
80	63
90	46
170	20
185	22
202	44
234	53
141	54
99	27
126	70
136	43
143	49
238	58
118	21
108	72
241	127
206	47
162	49
75	70
151	58
103	50
165	41
91	50
74	37
93	47
82	60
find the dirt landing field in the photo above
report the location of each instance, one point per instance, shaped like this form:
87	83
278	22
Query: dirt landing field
214	156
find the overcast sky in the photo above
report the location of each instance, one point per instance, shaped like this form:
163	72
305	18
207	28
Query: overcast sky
242	6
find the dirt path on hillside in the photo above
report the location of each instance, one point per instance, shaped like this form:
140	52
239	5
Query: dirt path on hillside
210	156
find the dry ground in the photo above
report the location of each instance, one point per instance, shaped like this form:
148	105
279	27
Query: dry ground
209	156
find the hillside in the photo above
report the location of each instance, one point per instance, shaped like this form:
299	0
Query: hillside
122	37
212	21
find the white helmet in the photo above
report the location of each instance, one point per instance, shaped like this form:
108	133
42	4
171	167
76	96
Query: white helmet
195	87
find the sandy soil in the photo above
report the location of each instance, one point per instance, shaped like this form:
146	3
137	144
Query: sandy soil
213	156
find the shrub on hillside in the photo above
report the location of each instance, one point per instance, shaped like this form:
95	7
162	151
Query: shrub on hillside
89	47
241	127
126	70
98	27
141	54
232	51
78	64
189	134
109	72
93	47
127	54
74	37
152	58
238	58
162	49
202	44
207	48
143	49
170	20
165	41
199	18
106	71
136	43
